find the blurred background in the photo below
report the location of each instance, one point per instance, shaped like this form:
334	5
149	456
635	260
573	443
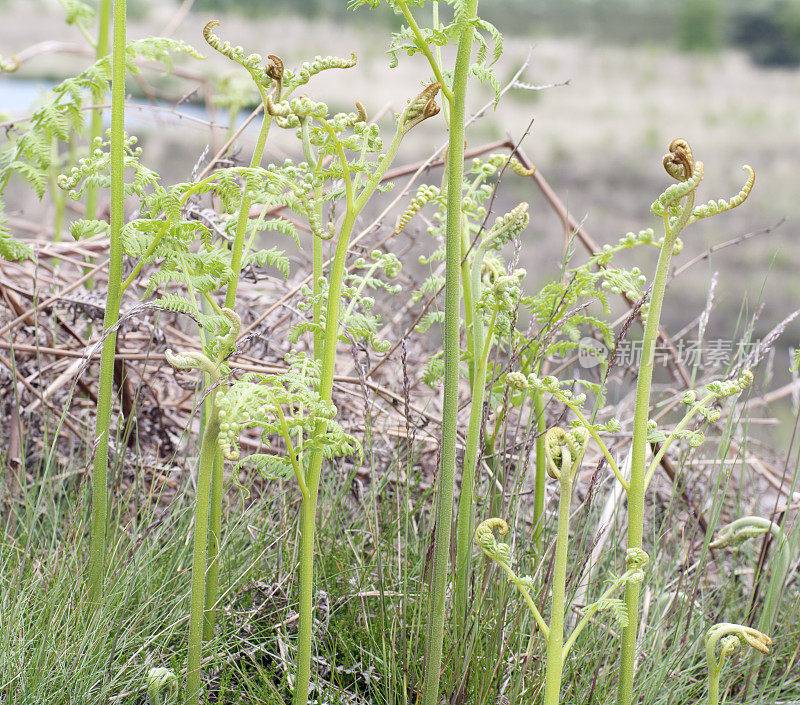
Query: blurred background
625	77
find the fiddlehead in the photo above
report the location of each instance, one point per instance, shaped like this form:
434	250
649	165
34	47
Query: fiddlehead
737	532
162	686
419	108
729	637
720	206
564	451
191	360
488	543
425	194
254	64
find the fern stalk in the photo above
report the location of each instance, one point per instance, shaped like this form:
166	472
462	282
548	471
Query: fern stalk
555	636
208	452
308	509
481	346
447	467
96	125
113	300
637	485
541	473
217	482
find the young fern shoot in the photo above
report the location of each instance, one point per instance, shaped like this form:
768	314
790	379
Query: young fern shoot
564	452
676	207
728	638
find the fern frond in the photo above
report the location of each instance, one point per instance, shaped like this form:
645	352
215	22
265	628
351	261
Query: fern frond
11	249
676	192
425	194
720	206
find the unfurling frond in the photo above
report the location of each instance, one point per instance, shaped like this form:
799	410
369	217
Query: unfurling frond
311	68
564	451
617	608
737	532
163	687
488	543
676	192
425	194
262	73
721	205
191	360
419	108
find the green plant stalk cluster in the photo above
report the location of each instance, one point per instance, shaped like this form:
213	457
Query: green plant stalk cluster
217	479
501	299
563	452
355	205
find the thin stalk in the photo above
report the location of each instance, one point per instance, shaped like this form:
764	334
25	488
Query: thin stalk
308	507
466	499
218	480
637	484
96	125
541	471
447	467
208	451
244	211
214	534
713	686
317	253
113	300
555	636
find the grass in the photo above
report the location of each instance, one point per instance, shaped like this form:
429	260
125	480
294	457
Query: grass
372	558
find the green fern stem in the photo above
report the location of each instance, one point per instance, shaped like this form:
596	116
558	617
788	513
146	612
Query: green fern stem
444	511
214	534
113	301
555	636
470	296
541	471
58	195
466	499
96	125
317	257
309	501
205	472
217	483
237	248
308	510
637	482
481	346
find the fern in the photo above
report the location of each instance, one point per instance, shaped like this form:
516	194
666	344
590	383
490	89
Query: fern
10	248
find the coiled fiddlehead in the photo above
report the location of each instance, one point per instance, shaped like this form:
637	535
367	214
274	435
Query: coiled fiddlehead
162	686
191	360
564	451
425	194
488	543
263	74
421	107
729	638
